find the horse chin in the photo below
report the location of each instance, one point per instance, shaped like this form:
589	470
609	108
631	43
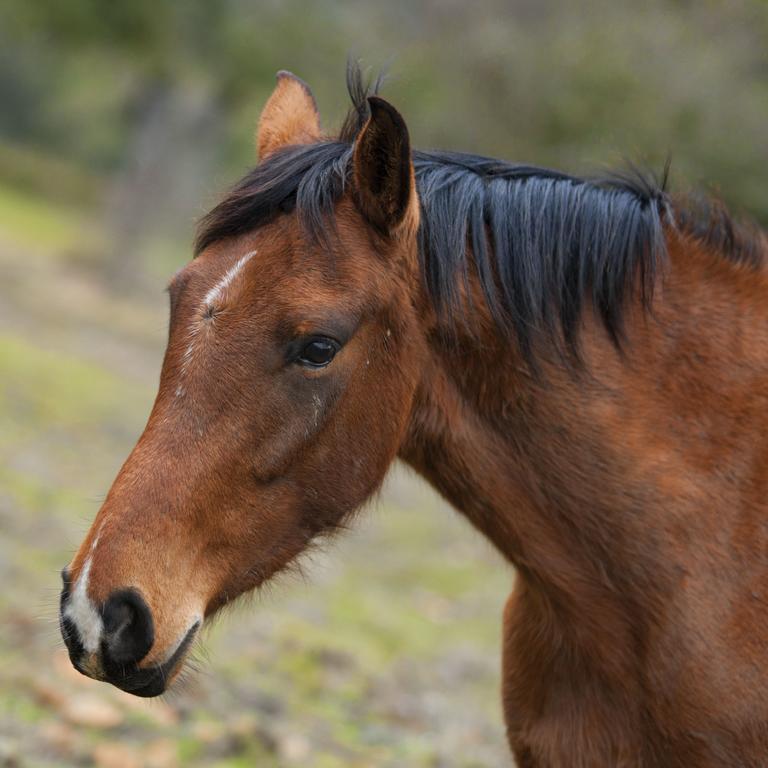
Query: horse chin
148	682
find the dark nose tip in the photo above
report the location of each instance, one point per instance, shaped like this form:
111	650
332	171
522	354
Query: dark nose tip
128	629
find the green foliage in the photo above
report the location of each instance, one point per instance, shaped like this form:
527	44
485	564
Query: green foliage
29	220
570	85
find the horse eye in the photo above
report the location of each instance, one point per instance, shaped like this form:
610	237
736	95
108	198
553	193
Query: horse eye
318	352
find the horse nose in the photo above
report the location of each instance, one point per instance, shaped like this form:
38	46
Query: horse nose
128	629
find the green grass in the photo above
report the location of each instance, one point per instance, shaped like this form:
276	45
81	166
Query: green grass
44	388
38	224
56	409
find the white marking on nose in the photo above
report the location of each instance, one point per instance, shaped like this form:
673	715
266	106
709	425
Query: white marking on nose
82	612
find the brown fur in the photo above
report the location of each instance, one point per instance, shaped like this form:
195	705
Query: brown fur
630	494
289	117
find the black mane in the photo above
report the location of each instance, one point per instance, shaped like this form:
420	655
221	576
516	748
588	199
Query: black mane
541	241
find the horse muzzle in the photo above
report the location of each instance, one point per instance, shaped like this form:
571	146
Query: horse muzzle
109	642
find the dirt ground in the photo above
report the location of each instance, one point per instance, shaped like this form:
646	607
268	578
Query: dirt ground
387	654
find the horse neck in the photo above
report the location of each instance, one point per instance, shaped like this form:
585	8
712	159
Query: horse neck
464	441
568	475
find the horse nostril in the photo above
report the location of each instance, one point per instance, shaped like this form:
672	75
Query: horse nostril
128	628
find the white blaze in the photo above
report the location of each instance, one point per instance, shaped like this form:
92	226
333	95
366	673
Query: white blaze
213	296
217	291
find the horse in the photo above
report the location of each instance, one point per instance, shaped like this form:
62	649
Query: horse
578	365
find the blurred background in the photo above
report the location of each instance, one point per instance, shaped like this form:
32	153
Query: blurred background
120	124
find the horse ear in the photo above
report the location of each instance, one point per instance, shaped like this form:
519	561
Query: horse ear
383	171
289	117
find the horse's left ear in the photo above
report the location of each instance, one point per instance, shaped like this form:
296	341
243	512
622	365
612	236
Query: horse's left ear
383	171
289	117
